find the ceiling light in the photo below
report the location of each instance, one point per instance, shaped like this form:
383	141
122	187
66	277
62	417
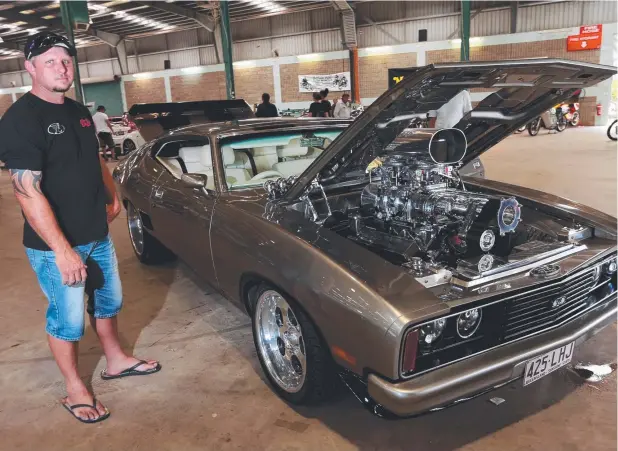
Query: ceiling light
27	11
191	70
48	17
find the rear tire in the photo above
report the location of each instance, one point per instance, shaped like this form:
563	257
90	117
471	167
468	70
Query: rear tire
293	356
128	146
534	126
147	249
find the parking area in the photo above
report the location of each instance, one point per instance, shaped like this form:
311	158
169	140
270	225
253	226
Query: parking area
211	393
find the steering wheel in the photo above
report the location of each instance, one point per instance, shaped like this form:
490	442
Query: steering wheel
266	174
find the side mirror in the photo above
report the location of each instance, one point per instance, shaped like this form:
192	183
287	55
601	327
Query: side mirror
194	180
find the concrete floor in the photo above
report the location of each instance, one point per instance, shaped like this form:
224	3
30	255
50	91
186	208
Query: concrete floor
211	393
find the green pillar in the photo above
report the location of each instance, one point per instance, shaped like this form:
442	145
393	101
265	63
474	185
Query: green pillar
67	20
226	39
465	30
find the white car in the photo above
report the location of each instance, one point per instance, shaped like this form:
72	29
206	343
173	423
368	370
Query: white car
131	141
125	134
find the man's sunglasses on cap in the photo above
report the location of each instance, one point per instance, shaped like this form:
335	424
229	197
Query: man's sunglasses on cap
42	42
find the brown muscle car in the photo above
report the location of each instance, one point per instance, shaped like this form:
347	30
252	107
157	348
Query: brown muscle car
362	252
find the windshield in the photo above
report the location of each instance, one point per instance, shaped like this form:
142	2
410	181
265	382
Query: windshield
249	161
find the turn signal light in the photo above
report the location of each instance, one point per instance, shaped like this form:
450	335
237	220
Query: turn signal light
409	351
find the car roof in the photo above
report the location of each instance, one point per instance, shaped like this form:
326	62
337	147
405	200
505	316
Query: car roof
245	126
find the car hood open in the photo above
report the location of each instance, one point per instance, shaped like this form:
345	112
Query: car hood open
521	90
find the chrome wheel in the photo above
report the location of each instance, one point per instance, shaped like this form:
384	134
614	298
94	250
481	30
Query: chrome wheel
136	229
280	341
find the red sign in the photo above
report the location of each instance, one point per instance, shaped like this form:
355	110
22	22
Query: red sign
591	29
589	38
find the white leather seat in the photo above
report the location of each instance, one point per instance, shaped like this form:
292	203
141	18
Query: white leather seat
234	175
293	167
265	158
295	159
172	164
198	160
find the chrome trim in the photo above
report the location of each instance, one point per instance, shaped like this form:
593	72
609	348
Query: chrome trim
500	272
544	287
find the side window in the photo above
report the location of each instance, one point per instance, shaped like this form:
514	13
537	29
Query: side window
185	157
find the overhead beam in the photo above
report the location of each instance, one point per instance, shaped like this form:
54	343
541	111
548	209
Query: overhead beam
201	19
348	23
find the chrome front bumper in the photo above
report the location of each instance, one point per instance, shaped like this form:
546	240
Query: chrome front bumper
485	371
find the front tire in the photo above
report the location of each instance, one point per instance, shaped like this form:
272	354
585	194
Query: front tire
147	249
534	126
293	356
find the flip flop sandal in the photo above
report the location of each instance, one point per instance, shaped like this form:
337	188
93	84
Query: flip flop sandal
93	406
131	371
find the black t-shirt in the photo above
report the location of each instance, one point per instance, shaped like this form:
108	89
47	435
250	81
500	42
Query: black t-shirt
60	141
327	107
317	109
266	110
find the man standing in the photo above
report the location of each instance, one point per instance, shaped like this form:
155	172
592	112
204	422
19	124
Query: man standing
266	109
104	131
67	196
343	109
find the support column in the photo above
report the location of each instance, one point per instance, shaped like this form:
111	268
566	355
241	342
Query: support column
355	75
514	16
67	20
465	30
226	43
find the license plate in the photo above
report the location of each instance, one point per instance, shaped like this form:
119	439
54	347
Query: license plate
544	364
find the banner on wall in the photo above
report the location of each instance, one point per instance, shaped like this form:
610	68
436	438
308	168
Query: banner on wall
315	83
589	38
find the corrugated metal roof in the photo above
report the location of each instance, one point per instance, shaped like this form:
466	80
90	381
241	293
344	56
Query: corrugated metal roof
132	19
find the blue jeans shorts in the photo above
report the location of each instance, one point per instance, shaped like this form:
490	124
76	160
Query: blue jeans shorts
66	310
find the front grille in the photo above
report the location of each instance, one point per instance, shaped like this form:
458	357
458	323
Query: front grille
536	310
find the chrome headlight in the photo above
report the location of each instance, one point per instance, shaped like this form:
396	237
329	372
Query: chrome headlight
432	331
468	322
611	267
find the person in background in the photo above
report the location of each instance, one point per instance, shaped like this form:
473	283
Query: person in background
343	108
449	114
104	131
316	109
266	109
68	199
328	108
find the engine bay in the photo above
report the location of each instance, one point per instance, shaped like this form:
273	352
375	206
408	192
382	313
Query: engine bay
416	212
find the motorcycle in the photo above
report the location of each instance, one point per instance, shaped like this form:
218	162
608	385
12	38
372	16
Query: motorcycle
552	119
612	130
571	114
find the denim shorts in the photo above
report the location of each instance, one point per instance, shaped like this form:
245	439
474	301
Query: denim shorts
66	310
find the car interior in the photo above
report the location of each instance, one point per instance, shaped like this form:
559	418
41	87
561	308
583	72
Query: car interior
247	162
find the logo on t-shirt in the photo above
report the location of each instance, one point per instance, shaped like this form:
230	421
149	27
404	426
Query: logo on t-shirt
85	123
55	129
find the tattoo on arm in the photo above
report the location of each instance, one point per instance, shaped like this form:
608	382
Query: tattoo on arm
26	183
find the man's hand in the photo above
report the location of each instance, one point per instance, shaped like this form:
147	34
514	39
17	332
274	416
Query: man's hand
113	209
71	267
